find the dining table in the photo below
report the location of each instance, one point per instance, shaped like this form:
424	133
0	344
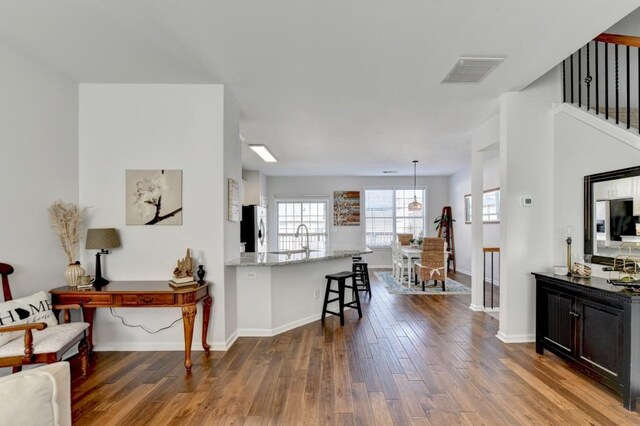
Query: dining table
412	254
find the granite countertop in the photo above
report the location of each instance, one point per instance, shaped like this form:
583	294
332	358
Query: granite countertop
284	257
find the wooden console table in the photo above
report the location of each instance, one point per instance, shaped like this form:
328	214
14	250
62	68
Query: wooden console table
593	325
143	294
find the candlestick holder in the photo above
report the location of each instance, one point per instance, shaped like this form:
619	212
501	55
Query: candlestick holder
568	255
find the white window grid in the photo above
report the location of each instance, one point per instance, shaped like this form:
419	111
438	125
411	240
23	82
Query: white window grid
290	214
387	214
490	206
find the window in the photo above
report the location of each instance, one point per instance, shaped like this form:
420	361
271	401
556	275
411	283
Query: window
291	214
387	214
490	206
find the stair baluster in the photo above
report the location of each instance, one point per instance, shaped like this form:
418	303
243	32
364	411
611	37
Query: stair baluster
628	91
597	78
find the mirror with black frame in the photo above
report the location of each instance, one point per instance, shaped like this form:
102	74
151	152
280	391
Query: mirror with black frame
612	214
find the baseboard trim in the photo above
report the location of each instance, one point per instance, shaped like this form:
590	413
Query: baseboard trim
163	346
491	309
486	278
463	271
516	338
219	346
270	332
142	347
476	308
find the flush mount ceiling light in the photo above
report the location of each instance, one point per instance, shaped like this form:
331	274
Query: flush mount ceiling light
387	172
264	153
471	70
415	206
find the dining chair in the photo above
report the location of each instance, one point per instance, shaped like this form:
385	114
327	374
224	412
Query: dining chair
433	262
393	258
42	342
399	262
405	239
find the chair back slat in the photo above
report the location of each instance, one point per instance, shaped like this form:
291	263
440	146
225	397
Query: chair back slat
5	271
405	239
433	252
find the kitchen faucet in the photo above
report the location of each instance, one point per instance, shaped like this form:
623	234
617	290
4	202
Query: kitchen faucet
306	248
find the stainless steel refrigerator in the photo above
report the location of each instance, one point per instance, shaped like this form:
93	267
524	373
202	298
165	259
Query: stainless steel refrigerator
253	228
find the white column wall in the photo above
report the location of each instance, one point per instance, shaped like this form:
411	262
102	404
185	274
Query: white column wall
232	169
484	138
156	126
477	260
526	154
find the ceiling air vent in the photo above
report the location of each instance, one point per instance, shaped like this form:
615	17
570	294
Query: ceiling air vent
471	70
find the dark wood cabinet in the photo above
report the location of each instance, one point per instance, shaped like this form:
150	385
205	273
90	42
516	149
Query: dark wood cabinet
593	325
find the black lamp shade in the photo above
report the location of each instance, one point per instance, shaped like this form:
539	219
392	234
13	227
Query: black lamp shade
101	239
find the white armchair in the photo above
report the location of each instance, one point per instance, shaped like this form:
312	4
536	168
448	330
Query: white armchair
39	396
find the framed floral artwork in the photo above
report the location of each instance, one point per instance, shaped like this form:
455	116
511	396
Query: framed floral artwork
153	197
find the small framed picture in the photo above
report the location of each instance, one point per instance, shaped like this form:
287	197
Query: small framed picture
234	200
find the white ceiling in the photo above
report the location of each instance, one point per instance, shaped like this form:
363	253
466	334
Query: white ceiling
333	87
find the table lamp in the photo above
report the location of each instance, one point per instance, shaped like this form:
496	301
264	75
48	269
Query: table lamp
101	239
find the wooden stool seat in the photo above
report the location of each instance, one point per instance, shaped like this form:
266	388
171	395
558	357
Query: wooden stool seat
341	278
340	275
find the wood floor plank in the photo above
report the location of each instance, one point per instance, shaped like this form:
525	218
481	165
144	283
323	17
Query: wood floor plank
408	397
411	360
379	409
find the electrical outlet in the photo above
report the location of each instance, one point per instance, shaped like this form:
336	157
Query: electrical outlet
251	275
316	294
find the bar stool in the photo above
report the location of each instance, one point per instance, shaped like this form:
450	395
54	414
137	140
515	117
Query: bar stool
361	269
356	258
341	278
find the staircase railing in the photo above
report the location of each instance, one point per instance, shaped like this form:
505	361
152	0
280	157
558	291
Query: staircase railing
614	57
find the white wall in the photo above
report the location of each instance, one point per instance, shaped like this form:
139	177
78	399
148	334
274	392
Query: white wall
255	187
526	167
232	169
437	189
157	126
580	150
39	141
459	186
545	156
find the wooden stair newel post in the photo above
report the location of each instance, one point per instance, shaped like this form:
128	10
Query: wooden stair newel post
445	230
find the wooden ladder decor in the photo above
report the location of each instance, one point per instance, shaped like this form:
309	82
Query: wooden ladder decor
445	230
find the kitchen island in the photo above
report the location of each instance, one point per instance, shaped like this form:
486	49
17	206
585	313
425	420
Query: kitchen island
279	291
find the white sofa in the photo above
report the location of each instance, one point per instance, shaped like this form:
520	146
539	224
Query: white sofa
39	396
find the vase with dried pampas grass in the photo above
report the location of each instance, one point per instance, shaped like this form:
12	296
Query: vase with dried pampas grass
65	221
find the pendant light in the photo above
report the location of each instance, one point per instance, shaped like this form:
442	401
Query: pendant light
415	206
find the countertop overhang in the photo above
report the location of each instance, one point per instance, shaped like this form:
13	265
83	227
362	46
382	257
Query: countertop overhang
287	258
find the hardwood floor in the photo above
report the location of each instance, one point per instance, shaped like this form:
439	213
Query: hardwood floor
412	359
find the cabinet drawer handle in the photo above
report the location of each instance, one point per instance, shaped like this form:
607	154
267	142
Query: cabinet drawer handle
575	314
88	300
146	299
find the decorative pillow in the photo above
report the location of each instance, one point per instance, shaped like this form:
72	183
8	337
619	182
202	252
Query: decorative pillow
29	399
26	310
